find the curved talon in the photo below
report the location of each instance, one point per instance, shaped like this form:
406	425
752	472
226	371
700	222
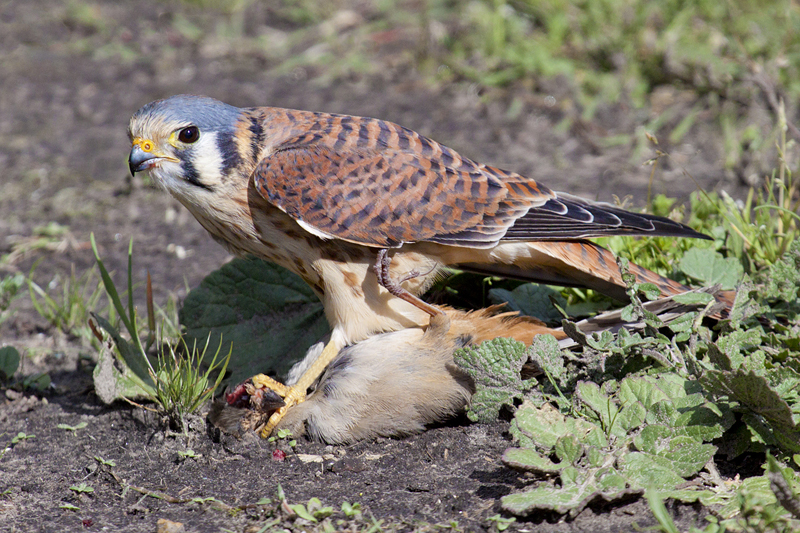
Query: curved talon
291	398
263	381
381	269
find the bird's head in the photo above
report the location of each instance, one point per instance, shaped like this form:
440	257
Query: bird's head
186	142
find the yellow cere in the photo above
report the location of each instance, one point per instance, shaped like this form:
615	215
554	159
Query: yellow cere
144	144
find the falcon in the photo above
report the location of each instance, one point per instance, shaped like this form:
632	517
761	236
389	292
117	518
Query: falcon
368	213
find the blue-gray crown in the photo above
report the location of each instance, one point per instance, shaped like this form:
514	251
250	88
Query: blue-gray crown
204	112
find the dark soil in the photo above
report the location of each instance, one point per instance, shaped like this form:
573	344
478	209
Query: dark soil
70	77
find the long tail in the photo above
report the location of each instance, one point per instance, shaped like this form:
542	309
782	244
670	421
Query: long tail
573	264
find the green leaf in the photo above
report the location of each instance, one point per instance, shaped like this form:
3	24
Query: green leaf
574	494
82	488
9	362
270	315
734	343
529	460
603	408
76	427
113	380
631	417
646	470
495	368
301	511
105	462
756	489
545	353
568	449
560	500
541	427
693	298
650	290
673	448
600	341
783	279
531	299
22	436
755	393
710	268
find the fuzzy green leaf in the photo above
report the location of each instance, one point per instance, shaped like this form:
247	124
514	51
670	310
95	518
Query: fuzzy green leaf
710	268
545	353
495	368
755	393
693	298
541	427
631	417
602	408
568	449
270	315
646	470
783	279
531	299
545	497
9	362
571	497
529	460
673	448
735	342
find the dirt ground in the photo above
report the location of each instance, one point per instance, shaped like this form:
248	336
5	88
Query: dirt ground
70	77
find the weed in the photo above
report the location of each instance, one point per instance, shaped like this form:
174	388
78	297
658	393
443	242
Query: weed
74	428
177	382
21	436
188	454
351	510
9	362
9	290
105	462
181	386
70	310
83	488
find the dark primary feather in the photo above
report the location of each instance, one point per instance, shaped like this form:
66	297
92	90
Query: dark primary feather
568	217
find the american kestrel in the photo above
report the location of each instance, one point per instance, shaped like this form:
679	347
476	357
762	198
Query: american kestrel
368	212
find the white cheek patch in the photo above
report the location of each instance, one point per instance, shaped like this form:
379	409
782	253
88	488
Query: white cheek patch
207	159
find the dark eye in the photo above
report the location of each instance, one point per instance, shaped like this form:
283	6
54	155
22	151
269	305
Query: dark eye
189	134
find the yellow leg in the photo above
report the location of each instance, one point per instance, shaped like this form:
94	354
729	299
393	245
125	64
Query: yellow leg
296	393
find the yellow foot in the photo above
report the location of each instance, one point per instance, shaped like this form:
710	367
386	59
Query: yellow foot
297	393
291	397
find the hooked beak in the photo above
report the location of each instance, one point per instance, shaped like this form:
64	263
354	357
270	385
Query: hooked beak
143	156
139	160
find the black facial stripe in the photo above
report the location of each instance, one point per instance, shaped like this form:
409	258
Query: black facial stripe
229	152
256	141
190	174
